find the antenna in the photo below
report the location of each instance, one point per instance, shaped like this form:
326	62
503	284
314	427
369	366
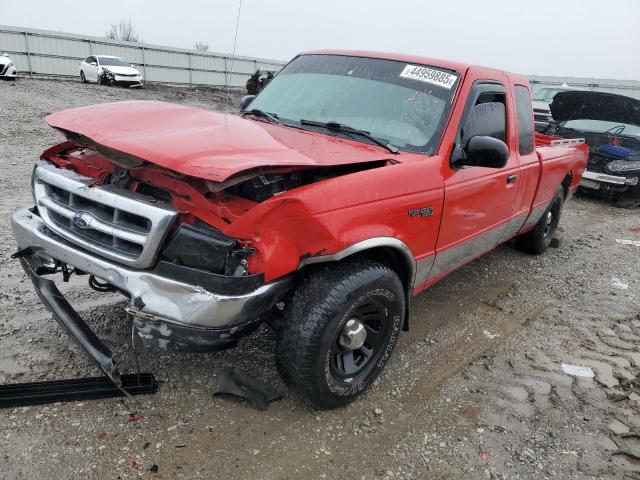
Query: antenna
233	58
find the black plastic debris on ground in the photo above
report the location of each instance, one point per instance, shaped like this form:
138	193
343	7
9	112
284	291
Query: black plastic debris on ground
234	381
39	393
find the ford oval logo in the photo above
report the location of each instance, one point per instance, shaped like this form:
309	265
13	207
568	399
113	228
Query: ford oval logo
80	220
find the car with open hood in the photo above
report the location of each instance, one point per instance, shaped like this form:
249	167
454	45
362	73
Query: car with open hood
542	98
610	125
352	182
8	70
109	70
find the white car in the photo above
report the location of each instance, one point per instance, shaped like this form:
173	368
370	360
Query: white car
108	70
8	70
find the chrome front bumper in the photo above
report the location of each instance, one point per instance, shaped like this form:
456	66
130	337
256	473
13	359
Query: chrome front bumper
154	299
589	177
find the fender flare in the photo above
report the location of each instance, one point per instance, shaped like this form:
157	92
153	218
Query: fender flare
369	244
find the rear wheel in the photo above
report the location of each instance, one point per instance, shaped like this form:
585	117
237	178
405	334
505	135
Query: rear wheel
82	77
339	331
536	241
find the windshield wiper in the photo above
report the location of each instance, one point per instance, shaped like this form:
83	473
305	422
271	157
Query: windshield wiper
331	125
256	112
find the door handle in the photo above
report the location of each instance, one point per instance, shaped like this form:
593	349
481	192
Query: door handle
511	179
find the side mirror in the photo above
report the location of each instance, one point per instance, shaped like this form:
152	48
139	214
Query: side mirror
246	101
483	151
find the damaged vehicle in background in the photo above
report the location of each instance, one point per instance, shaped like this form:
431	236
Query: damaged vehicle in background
109	70
610	125
8	70
352	183
542	98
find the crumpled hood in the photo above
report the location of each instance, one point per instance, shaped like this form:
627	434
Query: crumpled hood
587	105
205	144
119	70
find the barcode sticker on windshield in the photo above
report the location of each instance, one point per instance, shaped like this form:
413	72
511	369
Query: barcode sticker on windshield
429	75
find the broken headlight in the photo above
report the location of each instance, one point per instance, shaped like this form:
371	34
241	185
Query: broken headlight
203	247
624	166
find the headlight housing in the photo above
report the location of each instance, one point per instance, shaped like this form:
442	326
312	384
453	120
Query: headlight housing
206	248
623	166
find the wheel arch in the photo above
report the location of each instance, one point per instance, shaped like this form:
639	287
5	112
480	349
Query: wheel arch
566	183
389	251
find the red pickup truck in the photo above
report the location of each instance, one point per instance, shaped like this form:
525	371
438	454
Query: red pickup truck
354	181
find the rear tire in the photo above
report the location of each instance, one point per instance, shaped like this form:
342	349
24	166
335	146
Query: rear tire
339	331
536	241
83	79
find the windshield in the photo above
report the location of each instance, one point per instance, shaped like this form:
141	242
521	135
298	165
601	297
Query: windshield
601	126
115	62
399	103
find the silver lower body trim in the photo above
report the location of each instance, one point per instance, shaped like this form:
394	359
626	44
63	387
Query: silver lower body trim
514	226
536	214
454	257
423	268
156	296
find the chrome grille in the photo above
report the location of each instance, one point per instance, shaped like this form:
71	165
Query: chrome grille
110	221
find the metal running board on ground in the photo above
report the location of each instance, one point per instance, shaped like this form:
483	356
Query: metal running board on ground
92	388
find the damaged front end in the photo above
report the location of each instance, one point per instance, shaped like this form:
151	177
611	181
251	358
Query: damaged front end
107	77
203	238
188	284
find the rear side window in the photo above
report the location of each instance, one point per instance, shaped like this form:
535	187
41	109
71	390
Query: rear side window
525	120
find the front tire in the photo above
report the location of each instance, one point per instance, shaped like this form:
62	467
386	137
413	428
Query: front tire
339	331
536	241
83	79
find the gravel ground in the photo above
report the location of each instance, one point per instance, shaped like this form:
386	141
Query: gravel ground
474	390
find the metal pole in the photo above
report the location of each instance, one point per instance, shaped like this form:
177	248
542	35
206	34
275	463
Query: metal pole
226	71
26	41
190	71
144	65
233	55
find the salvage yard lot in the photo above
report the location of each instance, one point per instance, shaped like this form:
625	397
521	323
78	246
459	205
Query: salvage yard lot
474	390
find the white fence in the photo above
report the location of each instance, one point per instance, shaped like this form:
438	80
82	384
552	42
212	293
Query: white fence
630	88
48	53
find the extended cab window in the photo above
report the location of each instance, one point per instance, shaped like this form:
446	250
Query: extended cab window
525	120
397	102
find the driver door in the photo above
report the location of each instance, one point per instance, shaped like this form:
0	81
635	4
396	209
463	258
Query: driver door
479	201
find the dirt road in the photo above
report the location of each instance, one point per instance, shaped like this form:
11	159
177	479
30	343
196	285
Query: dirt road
476	389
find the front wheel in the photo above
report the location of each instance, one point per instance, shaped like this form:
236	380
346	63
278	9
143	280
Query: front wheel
536	241
339	330
83	79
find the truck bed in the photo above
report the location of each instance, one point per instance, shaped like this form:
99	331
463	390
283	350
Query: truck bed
555	154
